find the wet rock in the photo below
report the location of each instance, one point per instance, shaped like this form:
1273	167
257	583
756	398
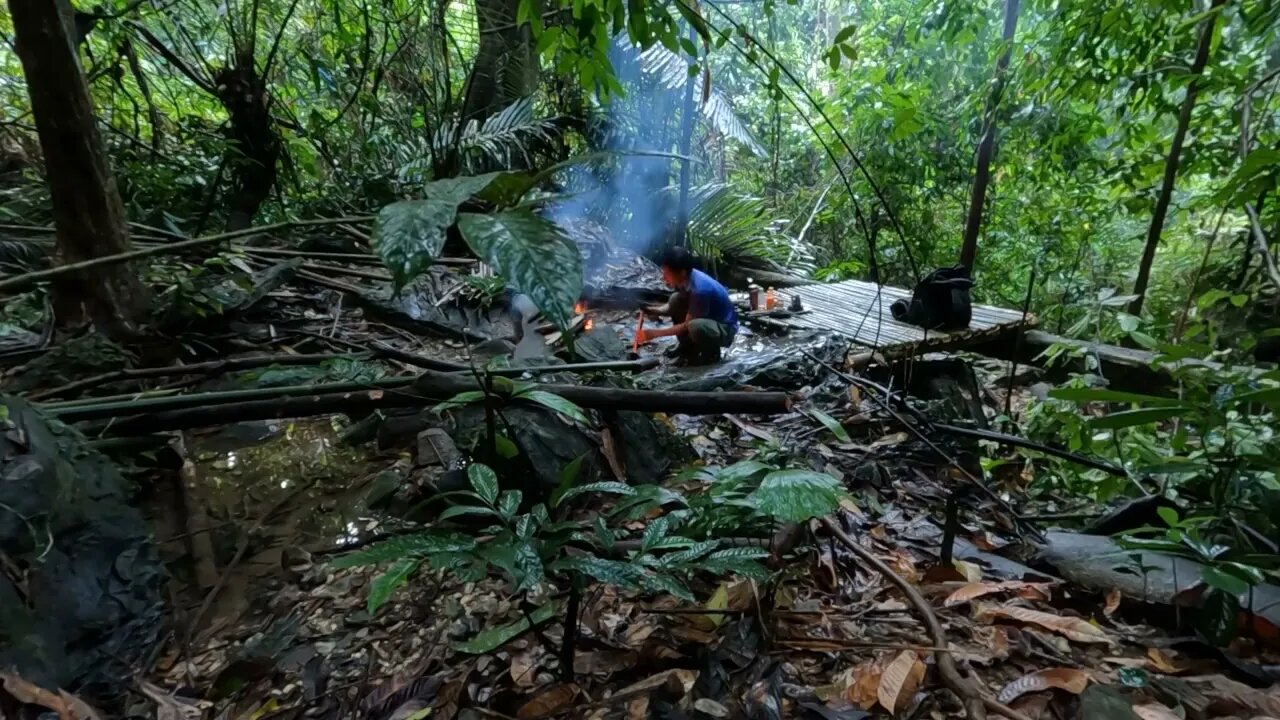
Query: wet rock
1101	564
600	345
783	367
90	605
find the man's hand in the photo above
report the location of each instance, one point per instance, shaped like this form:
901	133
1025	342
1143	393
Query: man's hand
643	336
652	312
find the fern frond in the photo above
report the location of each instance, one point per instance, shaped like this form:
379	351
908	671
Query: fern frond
502	138
727	224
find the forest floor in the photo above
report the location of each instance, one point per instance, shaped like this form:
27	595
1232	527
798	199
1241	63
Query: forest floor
249	516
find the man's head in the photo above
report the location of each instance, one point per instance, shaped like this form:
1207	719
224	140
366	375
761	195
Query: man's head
676	265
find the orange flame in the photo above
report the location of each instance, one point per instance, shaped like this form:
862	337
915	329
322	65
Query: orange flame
580	307
588	325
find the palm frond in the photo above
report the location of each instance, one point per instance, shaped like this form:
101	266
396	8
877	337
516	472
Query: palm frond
502	138
672	71
727	224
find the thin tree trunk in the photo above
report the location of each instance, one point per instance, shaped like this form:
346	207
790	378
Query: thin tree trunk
687	122
1171	161
88	213
986	147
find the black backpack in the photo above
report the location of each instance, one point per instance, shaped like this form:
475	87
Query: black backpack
939	302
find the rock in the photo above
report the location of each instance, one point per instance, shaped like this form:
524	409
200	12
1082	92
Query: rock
600	345
1101	564
91	608
547	442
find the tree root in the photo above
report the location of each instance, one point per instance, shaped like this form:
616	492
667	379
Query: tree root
975	702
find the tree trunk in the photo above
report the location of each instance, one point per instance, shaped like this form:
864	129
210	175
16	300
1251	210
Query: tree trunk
986	147
255	146
506	67
1171	161
88	213
687	121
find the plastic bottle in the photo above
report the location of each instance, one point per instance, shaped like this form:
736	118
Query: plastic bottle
753	294
770	299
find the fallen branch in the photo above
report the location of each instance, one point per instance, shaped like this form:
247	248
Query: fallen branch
344	257
975	701
1015	441
213	367
206	409
25	281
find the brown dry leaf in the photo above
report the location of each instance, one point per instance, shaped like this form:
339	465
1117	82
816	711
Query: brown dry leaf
971	571
1113	602
550	702
167	706
1070	679
1155	711
1229	697
902	677
975	590
1069	627
524	668
612	455
904	565
604	662
942	574
1033	706
862	681
1164	662
66	705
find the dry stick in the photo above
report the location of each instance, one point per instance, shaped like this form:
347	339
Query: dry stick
205	368
976	703
923	437
27	280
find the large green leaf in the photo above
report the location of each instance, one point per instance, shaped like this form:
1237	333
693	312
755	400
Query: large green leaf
612	488
408	235
485	482
494	638
612	572
1131	418
533	254
1083	395
797	495
831	424
558	404
386	583
407	546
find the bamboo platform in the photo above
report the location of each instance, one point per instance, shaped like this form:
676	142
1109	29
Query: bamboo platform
860	311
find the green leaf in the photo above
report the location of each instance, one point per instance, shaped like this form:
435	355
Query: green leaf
1265	396
458	510
569	475
509	503
460	400
831	424
382	586
612	572
1132	418
533	254
406	546
797	495
1169	515
1083	395
654	532
556	403
662	582
612	488
740	472
1216	619
690	554
494	638
505	447
1225	581
484	480
408	235
844	34
695	21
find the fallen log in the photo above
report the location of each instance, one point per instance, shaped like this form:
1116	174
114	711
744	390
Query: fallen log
188	411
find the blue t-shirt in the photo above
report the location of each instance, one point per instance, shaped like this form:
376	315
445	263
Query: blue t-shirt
709	299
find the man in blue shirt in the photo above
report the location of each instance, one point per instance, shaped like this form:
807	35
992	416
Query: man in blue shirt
704	317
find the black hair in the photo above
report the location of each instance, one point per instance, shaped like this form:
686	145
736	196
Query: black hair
677	258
